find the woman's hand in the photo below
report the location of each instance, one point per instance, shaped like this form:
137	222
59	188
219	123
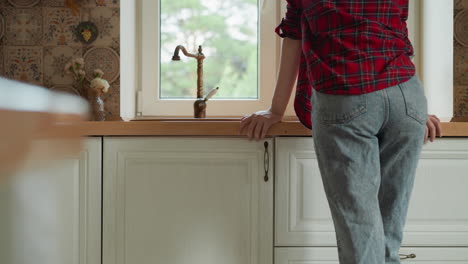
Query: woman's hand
256	125
433	128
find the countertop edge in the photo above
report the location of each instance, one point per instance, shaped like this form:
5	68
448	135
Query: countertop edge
216	128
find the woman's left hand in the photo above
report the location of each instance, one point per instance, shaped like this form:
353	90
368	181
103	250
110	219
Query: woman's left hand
257	124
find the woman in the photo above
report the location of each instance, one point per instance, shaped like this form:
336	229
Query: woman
358	89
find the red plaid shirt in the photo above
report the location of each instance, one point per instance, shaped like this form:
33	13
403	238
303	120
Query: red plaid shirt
348	47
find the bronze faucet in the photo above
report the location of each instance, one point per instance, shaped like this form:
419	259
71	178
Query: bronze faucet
200	104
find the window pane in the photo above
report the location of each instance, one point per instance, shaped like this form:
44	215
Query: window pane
228	32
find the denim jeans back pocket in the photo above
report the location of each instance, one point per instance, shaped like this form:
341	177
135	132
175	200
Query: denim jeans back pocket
338	109
415	99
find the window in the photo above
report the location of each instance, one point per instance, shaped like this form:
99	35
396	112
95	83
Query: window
239	44
229	33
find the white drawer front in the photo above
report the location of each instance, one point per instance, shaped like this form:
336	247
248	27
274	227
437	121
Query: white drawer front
438	213
329	255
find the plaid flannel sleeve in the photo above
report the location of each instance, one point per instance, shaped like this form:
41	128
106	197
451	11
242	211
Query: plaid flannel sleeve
290	25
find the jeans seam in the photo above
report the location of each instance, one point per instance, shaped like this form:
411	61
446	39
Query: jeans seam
386	108
409	110
345	118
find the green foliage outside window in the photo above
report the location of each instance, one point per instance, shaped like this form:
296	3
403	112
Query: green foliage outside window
227	30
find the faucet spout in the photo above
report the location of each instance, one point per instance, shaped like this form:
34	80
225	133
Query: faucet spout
176	56
198	56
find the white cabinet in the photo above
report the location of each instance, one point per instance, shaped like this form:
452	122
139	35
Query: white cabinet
329	255
302	216
438	213
53	215
187	201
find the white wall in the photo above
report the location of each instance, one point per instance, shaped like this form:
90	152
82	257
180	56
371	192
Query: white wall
128	59
437	55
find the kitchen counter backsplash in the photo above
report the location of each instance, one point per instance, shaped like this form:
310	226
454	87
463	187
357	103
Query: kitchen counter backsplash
37	39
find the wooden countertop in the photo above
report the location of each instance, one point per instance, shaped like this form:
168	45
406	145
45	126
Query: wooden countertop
216	127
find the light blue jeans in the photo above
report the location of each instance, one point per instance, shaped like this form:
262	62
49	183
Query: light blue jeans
368	147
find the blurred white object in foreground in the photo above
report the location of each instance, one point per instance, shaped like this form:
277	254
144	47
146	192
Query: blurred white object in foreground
18	96
40	137
38	125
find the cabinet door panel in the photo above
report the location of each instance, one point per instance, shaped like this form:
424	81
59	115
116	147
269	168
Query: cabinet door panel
186	200
438	211
438	215
302	215
54	213
329	255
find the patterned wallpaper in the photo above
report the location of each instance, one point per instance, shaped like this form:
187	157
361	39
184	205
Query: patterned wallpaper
37	40
460	59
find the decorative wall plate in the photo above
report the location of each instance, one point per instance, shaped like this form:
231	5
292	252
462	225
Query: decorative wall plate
460	65
460	4
2	26
65	89
460	108
105	59
87	32
23	3
461	28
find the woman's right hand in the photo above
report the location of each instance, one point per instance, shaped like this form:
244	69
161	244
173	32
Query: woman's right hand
256	125
433	128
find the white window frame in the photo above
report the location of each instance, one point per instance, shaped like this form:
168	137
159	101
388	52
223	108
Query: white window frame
151	105
437	55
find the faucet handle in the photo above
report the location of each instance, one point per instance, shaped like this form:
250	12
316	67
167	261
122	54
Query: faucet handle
211	93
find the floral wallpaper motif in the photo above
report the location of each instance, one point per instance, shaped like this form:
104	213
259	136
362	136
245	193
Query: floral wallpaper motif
54	3
58	27
22	26
24	64
109	29
112	98
2	73
23	3
2	26
108	3
54	60
460	59
37	40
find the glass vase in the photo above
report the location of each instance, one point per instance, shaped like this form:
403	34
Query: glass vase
97	106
